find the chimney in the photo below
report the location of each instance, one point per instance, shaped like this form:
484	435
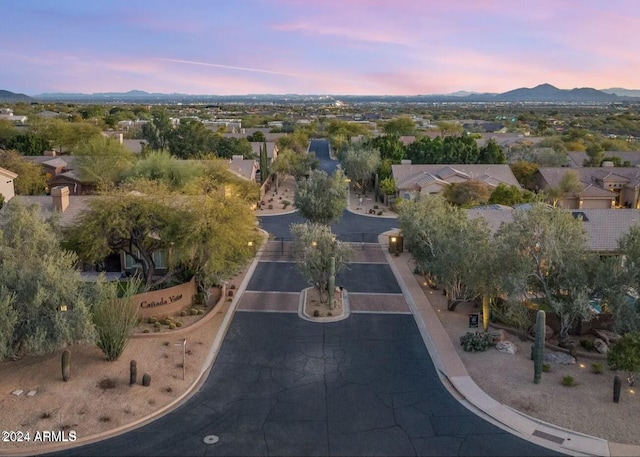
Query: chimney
405	162
60	195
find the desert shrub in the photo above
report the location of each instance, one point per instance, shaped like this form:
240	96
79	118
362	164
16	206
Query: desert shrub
114	318
104	419
546	367
476	341
107	383
316	313
568	381
285	204
587	344
597	368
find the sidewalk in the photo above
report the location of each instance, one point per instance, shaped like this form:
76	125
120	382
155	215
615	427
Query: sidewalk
462	386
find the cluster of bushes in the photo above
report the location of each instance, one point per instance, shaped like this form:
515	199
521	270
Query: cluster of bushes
476	341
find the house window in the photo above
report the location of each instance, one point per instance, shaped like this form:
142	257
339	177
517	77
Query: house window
407	196
160	258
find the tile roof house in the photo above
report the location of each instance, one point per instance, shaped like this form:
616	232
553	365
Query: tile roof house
603	187
244	168
604	227
413	180
6	183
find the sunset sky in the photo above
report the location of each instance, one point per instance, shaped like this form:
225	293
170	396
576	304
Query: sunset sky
399	47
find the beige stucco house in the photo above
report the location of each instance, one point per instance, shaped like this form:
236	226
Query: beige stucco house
413	180
6	184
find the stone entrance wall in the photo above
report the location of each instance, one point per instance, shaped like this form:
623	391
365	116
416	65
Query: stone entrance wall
165	302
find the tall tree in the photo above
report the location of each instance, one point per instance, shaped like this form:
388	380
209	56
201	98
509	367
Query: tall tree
321	198
128	222
569	185
161	167
543	252
359	163
403	126
40	287
103	161
190	140
216	238
31	179
158	131
468	193
314	247
447	245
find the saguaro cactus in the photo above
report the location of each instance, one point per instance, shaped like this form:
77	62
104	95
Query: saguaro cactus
146	379
66	360
133	372
538	347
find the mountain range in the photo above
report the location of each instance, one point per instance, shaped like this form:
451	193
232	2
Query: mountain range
543	93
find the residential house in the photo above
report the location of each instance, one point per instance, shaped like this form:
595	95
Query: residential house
603	187
603	227
244	168
413	180
68	207
6	184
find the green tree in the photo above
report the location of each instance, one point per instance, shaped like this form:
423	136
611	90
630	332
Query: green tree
524	173
321	198
190	140
161	167
103	161
625	355
216	239
447	245
39	281
298	141
511	195
29	144
390	147
468	193
129	222
543	252
388	186
359	163
403	126
491	153
596	154
31	180
314	246
158	131
569	185
257	137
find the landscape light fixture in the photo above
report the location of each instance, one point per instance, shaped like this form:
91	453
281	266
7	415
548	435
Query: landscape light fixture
183	343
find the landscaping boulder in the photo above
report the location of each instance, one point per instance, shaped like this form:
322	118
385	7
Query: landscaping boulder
506	346
559	358
498	335
600	346
608	337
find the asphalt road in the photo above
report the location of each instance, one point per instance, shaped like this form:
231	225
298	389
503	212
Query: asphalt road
321	150
281	385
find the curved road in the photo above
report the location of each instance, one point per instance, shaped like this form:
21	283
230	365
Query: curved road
285	386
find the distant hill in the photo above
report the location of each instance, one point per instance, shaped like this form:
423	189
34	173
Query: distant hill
549	93
544	93
622	92
6	96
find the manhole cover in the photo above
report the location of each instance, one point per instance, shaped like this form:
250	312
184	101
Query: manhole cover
211	439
